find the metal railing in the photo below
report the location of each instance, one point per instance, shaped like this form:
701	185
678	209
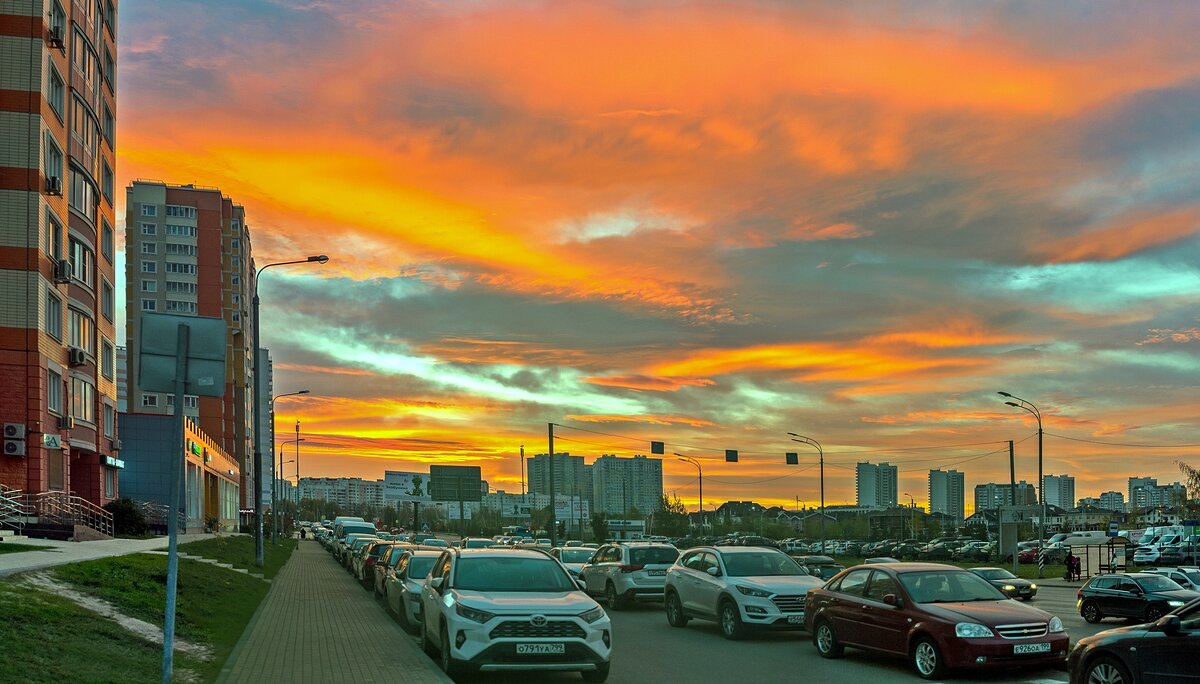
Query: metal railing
156	513
62	508
13	512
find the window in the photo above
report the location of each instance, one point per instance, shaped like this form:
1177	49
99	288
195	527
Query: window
149	248
149	267
854	583
149	210
110	69
83	195
236	260
190	401
54	388
56	91
107	359
184	231
83	400
237	298
82	331
110	481
177	306
237	244
149	286
174	287
82	266
110	420
58	19
149	305
53	236
181	212
106	299
186	269
149	229
106	180
236	316
236	279
108	125
149	400
106	240
181	250
83	127
53	315
53	160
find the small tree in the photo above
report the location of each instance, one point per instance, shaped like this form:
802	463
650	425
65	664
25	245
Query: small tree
128	518
599	527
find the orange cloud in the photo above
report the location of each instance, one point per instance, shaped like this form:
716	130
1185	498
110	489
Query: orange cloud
646	382
1123	238
649	419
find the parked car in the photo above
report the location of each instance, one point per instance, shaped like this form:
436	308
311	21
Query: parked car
474	543
939	616
1010	584
402	585
379	571
628	571
1186	577
881	559
820	566
1162	651
573	558
1138	595
367	558
741	588
510	609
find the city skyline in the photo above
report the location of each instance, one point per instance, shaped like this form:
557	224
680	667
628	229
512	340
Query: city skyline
712	253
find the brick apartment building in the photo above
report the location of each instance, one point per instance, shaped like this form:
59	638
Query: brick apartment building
57	249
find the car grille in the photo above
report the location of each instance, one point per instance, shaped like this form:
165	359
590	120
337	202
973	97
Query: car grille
557	629
789	603
1025	631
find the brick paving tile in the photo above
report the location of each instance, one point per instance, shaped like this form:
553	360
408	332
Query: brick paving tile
317	625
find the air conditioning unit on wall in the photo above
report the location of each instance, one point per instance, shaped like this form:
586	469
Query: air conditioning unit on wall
66	422
53	185
62	271
76	356
116	444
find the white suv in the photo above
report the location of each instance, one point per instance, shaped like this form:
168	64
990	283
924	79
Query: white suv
628	571
499	609
740	587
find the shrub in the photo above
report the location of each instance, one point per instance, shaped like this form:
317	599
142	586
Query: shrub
128	519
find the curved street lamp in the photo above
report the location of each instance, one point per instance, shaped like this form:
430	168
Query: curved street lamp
699	470
821	453
1036	413
275	490
258	460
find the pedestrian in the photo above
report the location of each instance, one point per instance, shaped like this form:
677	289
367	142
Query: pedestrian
303	532
1078	567
1070	574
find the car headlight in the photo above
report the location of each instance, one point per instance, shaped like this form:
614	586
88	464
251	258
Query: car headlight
592	615
1174	604
480	616
1032	585
971	630
1009	587
751	591
1055	625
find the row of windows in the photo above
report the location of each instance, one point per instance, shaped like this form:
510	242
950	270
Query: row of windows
181	211
83	401
181	250
185	231
186	269
189	401
174	287
179	306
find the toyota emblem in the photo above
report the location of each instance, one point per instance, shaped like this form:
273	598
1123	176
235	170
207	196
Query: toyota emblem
538	621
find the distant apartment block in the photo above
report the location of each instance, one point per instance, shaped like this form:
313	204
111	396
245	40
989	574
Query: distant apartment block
1112	501
187	253
1059	490
619	484
991	496
344	491
875	485
1148	493
58	395
947	493
572	477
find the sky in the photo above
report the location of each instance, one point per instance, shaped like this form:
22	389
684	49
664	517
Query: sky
704	223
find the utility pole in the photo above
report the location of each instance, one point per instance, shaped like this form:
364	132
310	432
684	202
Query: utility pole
553	512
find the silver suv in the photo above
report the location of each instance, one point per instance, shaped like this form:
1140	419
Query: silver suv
628	571
499	609
740	587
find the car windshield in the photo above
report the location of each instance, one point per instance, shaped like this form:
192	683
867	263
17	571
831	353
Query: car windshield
1192	575
494	573
349	529
1157	583
577	555
419	566
653	555
948	586
997	574
760	565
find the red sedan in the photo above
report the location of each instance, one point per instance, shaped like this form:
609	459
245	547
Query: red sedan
938	616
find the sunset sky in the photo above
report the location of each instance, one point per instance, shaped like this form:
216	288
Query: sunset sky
704	223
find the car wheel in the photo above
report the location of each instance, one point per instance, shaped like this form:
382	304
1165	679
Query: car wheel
1091	612
1153	612
452	666
1106	670
927	660
826	641
731	621
600	674
614	601
675	616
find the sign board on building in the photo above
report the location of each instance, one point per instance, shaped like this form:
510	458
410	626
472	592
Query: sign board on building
455	483
114	462
52	441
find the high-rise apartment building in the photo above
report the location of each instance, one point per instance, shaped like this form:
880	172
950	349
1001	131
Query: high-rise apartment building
1059	490
187	253
875	485
1153	495
571	475
946	493
619	484
991	496
57	247
1112	501
1136	483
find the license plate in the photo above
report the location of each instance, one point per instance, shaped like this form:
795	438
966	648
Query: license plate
541	649
656	573
1031	648
795	619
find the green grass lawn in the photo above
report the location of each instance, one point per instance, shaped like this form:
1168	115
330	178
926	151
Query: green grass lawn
238	551
21	548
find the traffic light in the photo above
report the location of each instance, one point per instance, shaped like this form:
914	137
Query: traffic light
14	439
657	448
731	456
792	457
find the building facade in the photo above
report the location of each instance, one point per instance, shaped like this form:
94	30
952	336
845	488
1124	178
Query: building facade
991	496
619	484
344	491
947	494
1059	490
187	252
875	485
1112	501
57	247
572	477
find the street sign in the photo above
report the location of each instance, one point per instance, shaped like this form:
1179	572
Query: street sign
1019	514
52	441
1114	528
449	483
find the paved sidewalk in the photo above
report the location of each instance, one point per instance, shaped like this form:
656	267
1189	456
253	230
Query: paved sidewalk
318	625
64	552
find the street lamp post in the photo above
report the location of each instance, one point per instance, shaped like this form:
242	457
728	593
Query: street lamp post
700	471
257	428
275	492
912	514
821	453
279	478
1036	413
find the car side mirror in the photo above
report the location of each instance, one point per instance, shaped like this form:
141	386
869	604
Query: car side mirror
1169	624
435	583
892	600
715	572
581	584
